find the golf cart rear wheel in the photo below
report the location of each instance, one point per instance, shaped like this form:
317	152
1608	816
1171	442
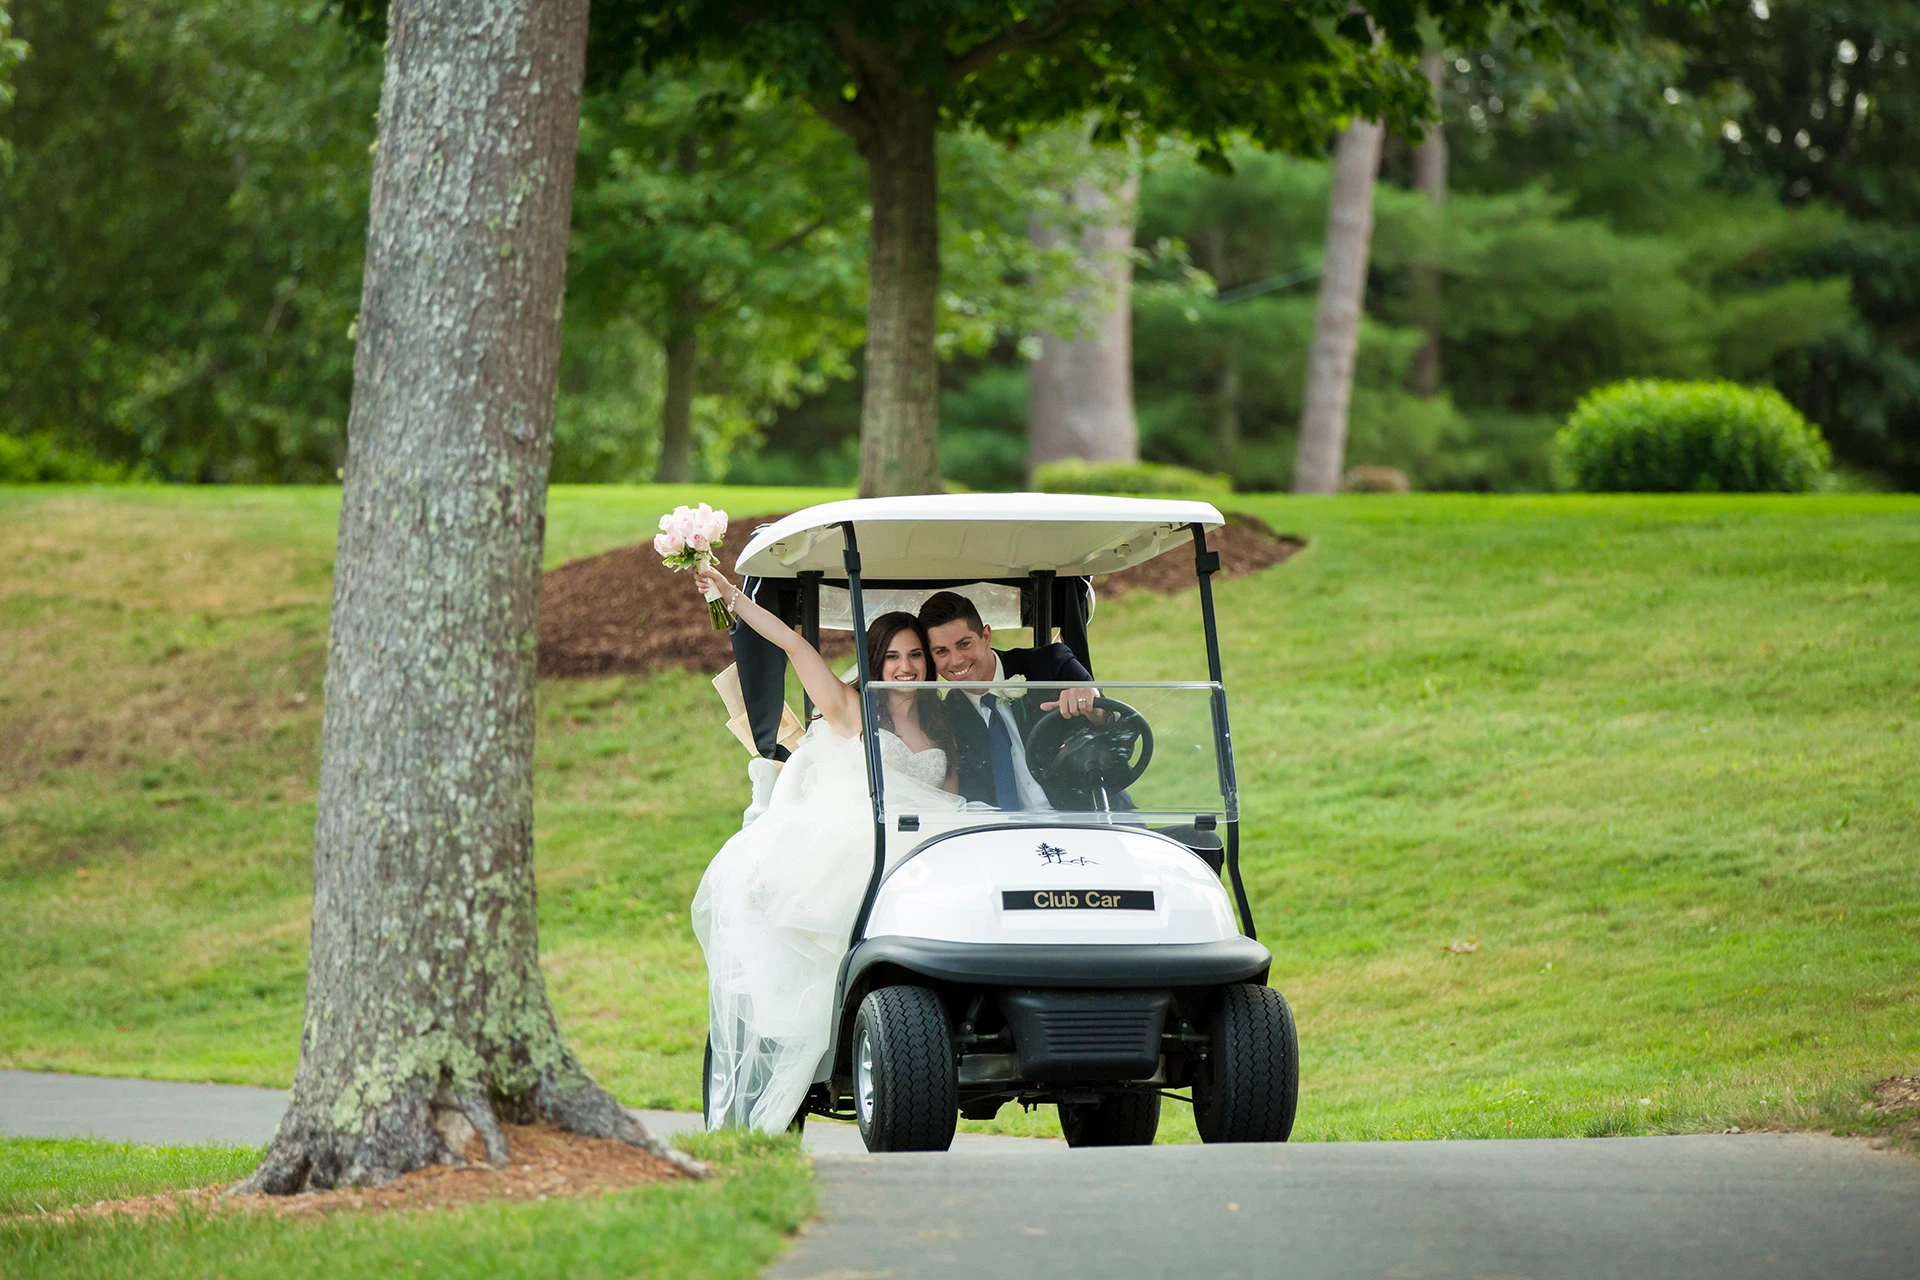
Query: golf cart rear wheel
905	1092
1117	1120
1249	1087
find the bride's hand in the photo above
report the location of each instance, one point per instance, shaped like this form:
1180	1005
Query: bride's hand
709	577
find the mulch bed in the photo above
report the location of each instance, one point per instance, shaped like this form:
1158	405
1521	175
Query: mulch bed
543	1162
624	613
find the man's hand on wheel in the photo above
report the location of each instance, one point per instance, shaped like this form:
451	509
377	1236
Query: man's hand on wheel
1077	702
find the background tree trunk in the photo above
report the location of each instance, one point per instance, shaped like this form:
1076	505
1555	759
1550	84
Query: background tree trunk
683	356
1336	320
425	1002
1080	392
900	404
676	414
1430	178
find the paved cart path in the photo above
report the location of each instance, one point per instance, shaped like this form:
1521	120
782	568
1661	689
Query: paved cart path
35	1104
1687	1208
1691	1208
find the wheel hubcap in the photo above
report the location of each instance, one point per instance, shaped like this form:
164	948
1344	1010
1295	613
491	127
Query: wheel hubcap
863	1078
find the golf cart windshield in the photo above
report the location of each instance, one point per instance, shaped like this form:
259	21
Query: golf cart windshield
1150	756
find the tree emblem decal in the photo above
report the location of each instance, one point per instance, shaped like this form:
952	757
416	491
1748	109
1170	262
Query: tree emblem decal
1054	856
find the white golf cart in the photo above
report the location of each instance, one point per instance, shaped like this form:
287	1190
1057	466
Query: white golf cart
1084	953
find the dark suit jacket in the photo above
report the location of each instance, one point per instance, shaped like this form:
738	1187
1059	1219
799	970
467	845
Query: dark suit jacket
1051	662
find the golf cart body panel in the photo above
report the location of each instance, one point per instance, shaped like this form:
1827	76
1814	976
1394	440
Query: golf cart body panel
1082	951
1100	885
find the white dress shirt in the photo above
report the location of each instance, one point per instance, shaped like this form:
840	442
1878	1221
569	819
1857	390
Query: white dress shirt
1032	794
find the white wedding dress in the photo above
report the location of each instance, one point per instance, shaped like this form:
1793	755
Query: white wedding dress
774	911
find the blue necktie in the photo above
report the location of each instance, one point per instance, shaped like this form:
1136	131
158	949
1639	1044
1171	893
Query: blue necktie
1006	789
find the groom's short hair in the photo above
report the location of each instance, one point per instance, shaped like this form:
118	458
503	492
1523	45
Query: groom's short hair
943	607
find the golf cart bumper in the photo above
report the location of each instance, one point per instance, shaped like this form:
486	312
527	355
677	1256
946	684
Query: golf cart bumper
1111	966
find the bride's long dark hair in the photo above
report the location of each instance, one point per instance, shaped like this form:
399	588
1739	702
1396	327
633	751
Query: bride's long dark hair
933	719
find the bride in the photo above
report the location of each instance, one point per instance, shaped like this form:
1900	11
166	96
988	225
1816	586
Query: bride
774	911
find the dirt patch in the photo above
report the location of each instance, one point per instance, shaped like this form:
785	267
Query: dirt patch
1897	1095
624	613
543	1162
1247	544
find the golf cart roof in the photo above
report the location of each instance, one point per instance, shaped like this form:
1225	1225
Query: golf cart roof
976	536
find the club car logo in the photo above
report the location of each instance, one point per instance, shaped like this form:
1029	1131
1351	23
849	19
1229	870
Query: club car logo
1054	856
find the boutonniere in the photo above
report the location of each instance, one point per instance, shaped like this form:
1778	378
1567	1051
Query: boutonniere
1014	695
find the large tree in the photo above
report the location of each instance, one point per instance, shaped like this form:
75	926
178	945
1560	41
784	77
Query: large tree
427	1018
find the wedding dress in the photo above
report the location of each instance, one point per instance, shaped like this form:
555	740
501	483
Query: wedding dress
774	911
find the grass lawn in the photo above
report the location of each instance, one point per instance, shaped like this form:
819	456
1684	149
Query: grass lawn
726	1227
1659	756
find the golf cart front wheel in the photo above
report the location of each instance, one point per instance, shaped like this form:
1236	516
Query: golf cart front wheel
1117	1120
1249	1086
905	1092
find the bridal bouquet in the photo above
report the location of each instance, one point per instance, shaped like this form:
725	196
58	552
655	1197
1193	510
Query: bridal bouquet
687	539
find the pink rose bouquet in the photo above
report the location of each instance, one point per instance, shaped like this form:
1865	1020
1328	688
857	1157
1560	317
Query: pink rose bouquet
687	539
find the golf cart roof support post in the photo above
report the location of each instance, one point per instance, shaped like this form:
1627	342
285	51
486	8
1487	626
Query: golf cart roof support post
1205	564
1042	607
869	739
809	625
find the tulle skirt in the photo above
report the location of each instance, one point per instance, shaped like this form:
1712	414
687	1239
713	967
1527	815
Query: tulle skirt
773	914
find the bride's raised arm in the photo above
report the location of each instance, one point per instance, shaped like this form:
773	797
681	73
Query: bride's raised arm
838	701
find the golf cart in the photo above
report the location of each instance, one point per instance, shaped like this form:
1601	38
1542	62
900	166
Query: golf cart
1082	952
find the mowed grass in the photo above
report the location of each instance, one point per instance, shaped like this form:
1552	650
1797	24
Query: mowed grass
727	1227
1654	759
40	1174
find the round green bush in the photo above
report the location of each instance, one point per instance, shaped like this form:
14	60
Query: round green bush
1645	436
1075	475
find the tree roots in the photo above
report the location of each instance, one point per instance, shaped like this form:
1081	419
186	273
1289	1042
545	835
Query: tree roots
415	1129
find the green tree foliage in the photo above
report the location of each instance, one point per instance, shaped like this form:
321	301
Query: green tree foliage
1544	302
180	235
891	77
1647	436
1828	112
707	211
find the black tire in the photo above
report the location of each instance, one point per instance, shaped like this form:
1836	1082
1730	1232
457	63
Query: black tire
1117	1120
1249	1087
914	1098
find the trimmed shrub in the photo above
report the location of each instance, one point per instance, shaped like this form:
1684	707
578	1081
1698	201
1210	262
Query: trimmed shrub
39	459
1075	475
1644	436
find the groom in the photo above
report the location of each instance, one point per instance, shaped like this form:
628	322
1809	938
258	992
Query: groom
989	730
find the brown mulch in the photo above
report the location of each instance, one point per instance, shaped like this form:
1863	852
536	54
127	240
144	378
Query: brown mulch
1896	1094
543	1162
1247	544
624	613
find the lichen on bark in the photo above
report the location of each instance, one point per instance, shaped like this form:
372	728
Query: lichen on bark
425	1002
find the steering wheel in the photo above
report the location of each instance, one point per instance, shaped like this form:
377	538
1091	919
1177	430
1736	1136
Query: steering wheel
1071	754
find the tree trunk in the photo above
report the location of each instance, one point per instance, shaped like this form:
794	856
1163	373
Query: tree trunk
1080	392
683	353
900	406
425	1002
1430	178
1226	422
1336	320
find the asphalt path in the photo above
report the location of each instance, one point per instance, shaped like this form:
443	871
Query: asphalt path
1689	1208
